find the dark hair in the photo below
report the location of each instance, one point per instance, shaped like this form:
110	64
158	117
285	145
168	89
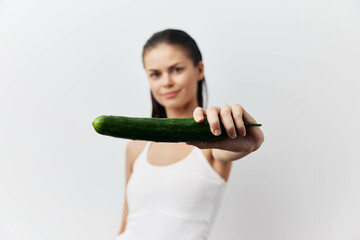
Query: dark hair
182	39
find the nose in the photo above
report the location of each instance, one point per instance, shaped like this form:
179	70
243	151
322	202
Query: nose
167	80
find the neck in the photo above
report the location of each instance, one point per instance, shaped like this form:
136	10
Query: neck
182	112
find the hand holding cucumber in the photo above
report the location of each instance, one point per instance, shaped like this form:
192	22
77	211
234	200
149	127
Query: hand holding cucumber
198	132
233	120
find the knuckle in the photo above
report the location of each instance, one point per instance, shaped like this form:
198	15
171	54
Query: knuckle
237	115
225	109
238	107
198	109
212	108
227	106
235	105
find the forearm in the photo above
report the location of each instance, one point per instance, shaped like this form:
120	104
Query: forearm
227	156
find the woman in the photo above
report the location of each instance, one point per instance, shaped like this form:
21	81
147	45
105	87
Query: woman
175	189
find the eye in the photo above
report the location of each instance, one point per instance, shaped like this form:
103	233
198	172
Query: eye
154	75
178	69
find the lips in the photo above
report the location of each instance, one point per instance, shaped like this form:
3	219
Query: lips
171	94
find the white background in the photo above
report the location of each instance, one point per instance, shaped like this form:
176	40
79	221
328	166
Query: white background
293	65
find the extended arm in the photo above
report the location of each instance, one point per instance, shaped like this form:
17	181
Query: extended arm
232	117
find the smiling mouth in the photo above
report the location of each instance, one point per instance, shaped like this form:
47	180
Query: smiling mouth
171	94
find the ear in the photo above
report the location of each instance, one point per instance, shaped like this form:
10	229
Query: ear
200	68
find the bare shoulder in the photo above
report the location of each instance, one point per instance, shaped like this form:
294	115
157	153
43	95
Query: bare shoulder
135	146
222	168
133	150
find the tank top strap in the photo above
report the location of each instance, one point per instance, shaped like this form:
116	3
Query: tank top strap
147	145
142	156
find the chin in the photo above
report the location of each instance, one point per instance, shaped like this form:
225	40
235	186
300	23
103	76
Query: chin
173	103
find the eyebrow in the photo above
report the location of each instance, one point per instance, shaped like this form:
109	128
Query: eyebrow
169	67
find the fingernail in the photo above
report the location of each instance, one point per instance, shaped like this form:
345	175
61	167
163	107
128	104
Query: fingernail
233	135
217	132
199	118
243	134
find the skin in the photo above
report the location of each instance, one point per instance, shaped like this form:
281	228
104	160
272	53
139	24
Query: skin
168	69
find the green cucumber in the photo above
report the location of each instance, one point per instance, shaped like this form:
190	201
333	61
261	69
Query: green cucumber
158	129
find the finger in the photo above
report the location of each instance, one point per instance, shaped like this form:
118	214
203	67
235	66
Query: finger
248	118
213	120
199	114
227	120
237	113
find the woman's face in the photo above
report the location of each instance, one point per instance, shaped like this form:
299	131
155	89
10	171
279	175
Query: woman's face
172	76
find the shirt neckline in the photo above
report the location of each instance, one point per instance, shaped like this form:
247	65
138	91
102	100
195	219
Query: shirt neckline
167	165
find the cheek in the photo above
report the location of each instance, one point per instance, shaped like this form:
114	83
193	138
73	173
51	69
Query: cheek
191	84
186	81
154	87
155	90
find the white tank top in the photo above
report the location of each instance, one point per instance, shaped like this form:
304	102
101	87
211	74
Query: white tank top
176	201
